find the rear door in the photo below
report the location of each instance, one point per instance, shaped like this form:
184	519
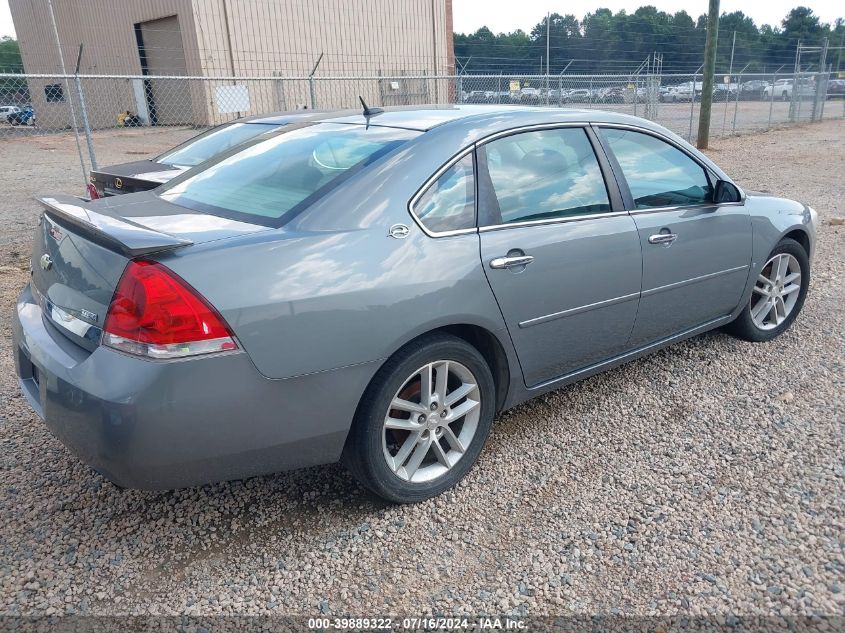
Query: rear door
560	253
696	253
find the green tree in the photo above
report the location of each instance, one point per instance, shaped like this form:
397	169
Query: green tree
564	39
802	24
607	42
747	41
11	90
10	55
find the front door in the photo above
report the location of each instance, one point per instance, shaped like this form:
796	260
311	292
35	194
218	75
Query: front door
696	253
563	263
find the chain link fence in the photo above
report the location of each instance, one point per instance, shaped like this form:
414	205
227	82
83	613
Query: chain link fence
40	104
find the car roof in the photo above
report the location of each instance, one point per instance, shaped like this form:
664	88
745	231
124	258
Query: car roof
426	117
294	116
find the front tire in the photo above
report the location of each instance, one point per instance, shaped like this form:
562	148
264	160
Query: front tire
778	294
423	420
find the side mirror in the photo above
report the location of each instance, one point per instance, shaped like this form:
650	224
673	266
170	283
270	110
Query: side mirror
726	192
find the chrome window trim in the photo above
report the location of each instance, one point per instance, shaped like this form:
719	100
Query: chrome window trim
702	205
707	169
430	181
551	126
574	218
530	128
655	133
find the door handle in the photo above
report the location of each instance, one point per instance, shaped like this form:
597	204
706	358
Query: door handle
662	238
511	262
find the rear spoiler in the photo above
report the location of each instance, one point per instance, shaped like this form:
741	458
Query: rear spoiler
117	234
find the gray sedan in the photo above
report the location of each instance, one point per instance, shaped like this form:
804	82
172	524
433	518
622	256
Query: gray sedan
375	288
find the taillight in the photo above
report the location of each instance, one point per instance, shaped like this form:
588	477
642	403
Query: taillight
93	194
154	313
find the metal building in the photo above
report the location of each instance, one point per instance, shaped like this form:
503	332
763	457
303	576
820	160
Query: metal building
240	39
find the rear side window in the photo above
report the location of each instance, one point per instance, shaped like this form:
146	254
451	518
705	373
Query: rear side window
658	174
545	174
449	202
213	142
269	180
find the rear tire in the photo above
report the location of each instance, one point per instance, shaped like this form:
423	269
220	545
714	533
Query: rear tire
758	322
417	431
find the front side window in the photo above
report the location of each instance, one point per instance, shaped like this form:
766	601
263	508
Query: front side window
269	180
658	174
213	142
449	203
545	174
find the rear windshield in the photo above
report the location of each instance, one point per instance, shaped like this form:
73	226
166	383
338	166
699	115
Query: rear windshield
270	180
211	143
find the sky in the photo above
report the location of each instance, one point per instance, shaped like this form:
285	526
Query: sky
504	16
6	26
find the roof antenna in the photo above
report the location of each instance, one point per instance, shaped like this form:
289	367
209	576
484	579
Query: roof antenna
368	112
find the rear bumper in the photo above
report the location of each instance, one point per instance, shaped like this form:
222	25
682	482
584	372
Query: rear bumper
163	425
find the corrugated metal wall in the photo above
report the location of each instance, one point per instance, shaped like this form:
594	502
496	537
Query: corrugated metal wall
107	30
235	37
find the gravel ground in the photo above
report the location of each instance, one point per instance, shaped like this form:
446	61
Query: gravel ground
50	163
707	478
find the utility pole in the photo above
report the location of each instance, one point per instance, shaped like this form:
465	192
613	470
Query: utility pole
709	71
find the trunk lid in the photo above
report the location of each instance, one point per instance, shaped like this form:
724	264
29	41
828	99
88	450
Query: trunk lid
82	247
132	177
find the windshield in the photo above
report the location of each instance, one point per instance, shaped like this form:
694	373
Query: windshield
213	142
270	180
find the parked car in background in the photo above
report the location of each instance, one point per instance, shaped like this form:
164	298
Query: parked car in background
23	116
783	88
753	90
723	92
6	110
677	93
375	288
141	175
558	96
580	95
836	89
614	94
530	95
476	96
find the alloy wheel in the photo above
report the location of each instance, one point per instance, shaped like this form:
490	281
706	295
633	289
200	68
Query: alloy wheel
776	291
432	421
